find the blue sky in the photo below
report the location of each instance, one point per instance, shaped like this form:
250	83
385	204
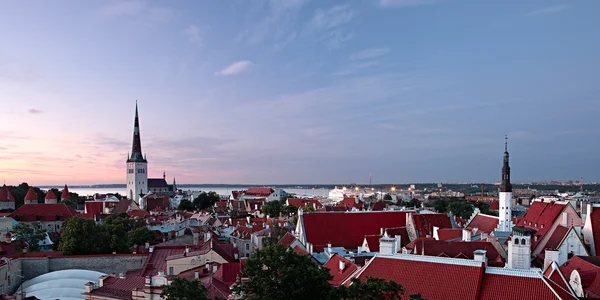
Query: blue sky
300	91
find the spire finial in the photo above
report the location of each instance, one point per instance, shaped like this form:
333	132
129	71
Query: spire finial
505	143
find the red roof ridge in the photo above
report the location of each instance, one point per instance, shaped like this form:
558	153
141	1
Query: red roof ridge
31	195
65	193
50	195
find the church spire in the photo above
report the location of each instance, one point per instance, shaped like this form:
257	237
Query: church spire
136	148
505	186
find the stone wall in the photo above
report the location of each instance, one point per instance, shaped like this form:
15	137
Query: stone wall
108	264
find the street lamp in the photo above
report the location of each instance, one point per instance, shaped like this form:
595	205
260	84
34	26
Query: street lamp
393	189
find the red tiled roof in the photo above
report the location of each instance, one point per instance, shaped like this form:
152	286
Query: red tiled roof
93	207
65	193
229	272
350	203
585	264
402	232
379	205
119	288
462	250
556	237
31	195
494	205
540	216
43	212
424	223
430	279
50	195
347	229
121	206
411	246
236	194
157	201
5	195
259	192
595	222
495	287
299	250
484	223
138	213
333	264
287	239
157	260
298	202
447	234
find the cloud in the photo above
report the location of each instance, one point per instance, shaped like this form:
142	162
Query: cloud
369	53
193	34
236	68
34	111
335	39
331	18
548	10
404	3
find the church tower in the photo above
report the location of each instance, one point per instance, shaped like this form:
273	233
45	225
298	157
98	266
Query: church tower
505	202
137	166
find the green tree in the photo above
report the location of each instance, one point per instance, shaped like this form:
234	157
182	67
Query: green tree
80	236
387	197
206	200
371	289
140	236
183	289
414	203
124	220
272	208
114	238
186	205
30	234
277	232
308	208
275	272
461	208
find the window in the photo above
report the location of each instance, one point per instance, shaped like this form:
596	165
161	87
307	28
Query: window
247	246
170	270
523	242
516	241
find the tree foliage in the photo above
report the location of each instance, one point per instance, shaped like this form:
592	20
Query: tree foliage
80	236
141	235
387	197
276	273
186	205
206	200
30	234
183	289
371	289
414	203
275	234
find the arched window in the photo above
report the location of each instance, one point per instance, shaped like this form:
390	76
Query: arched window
516	241
523	242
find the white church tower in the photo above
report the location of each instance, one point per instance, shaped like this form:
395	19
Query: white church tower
519	250
137	166
505	201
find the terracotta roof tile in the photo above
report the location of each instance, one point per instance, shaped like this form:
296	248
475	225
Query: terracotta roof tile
93	207
462	250
556	237
595	222
5	195
347	229
287	239
495	287
298	202
424	223
447	234
31	195
259	192
540	216
339	275
484	223
43	212
65	193
50	195
585	264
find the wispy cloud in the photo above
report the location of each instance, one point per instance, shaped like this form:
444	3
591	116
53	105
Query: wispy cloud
193	34
34	111
332	18
369	53
548	10
335	39
235	68
404	3
126	8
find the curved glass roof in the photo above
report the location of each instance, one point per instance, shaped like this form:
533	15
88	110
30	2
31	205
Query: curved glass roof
65	284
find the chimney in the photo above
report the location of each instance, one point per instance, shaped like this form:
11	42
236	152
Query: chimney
101	280
381	231
147	245
435	233
235	256
151	249
214	269
196	275
398	240
342	265
248	217
466	235
386	246
549	257
480	255
89	287
565	218
329	248
187	250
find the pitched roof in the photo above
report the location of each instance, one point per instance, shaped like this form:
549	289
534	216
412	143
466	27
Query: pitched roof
31	195
298	202
556	237
138	213
50	195
446	234
495	287
402	232
65	193
229	272
350	202
379	205
157	260
259	192
595	222
540	216
93	207
494	205
5	195
373	242
287	239
347	229
122	206
424	223
484	223
119	288
462	250
585	265
339	275
43	212
157	183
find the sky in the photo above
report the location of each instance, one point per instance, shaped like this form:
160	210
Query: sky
300	91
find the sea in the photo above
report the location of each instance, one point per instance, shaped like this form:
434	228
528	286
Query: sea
85	191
